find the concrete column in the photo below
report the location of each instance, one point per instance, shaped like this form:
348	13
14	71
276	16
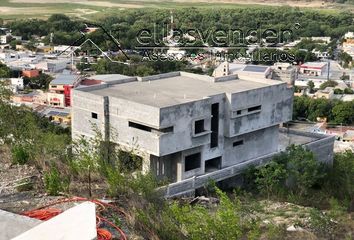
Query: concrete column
146	165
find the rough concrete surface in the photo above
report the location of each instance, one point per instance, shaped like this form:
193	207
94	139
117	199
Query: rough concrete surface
12	225
76	223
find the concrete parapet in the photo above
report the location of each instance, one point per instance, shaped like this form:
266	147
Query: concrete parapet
322	147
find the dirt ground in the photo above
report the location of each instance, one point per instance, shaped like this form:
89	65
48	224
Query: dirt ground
135	5
84	2
44	8
311	4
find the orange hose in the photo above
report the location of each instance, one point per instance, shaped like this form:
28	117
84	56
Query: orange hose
122	234
45	213
103	234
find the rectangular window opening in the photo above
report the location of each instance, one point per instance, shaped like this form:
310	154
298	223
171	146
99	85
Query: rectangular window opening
199	126
166	130
94	115
256	108
237	143
158	167
213	164
139	126
192	162
238	112
214	125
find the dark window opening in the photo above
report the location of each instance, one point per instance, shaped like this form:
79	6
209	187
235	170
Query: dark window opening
199	126
237	143
140	126
238	112
94	115
149	129
214	125
256	108
166	130
212	165
192	162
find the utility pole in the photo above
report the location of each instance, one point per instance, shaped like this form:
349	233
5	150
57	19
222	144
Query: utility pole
72	61
328	67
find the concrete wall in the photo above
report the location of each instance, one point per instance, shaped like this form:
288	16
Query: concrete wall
287	75
84	104
276	107
182	118
12	225
322	147
255	144
188	186
78	222
121	112
258	130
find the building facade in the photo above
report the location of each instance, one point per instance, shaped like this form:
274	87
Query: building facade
190	128
284	72
314	68
60	89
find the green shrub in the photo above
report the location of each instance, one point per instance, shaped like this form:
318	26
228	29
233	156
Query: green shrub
55	183
304	170
337	210
341	180
20	155
297	169
270	177
276	232
223	222
320	222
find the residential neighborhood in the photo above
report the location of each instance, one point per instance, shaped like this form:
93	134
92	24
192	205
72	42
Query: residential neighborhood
191	120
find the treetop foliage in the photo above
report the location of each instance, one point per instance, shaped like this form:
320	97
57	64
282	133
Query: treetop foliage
127	24
336	111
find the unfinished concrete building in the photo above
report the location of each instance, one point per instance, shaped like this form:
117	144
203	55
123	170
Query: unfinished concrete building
190	128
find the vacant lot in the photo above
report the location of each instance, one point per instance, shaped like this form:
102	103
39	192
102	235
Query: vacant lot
10	9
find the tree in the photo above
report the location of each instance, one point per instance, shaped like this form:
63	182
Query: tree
343	113
311	86
304	170
341	180
15	42
270	177
87	157
144	71
319	108
348	91
345	59
42	81
338	91
329	83
301	105
5	72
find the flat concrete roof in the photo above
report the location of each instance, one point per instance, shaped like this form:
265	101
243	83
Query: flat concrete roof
174	90
256	68
313	64
107	77
287	139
